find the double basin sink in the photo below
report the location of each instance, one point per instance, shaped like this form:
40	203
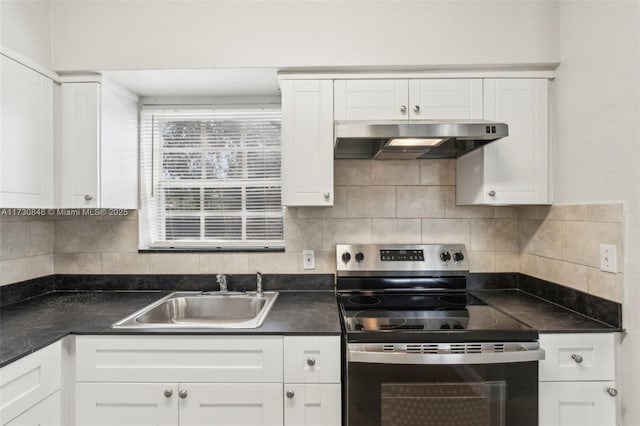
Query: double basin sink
197	310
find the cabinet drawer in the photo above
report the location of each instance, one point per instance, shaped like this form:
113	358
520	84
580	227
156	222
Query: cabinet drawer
577	357
179	359
312	359
29	380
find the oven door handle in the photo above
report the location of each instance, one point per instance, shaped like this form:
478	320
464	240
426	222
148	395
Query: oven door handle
359	353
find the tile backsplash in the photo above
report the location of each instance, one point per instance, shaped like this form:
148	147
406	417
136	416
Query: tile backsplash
26	248
374	201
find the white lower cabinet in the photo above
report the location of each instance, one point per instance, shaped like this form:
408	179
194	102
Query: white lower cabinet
312	381
30	389
184	404
45	413
577	404
577	380
312	404
207	380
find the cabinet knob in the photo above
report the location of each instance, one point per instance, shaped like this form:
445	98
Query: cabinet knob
416	108
183	394
327	195
311	361
168	393
577	358
612	391
290	394
403	108
492	193
88	197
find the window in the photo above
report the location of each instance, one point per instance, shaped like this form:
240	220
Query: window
211	179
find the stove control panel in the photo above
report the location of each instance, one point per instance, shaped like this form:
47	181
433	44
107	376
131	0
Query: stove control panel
401	255
401	259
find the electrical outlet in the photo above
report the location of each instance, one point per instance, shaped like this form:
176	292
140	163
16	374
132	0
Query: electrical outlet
608	258
308	259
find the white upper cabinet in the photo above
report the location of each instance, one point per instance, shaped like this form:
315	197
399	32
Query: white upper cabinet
307	142
514	169
96	165
412	99
26	143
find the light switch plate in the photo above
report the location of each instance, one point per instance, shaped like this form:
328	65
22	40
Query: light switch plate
608	258
308	259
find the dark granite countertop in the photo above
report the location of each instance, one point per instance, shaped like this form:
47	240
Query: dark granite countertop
545	316
35	323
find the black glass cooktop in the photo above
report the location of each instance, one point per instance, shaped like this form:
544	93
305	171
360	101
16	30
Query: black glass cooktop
434	316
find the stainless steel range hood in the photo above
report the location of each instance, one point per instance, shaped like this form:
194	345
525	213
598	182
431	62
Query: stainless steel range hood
404	140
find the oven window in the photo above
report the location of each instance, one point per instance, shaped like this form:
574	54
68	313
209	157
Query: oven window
444	404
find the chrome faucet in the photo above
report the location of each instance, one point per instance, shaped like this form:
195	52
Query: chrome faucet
221	279
259	283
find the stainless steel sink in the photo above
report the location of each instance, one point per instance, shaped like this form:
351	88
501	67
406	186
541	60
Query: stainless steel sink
203	310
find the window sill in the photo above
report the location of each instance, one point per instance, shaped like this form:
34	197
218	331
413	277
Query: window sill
214	250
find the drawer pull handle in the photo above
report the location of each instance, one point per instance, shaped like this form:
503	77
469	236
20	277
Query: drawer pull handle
577	358
612	391
311	362
168	393
183	394
290	394
88	197
403	109
416	108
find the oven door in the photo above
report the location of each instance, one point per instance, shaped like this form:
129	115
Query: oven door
442	384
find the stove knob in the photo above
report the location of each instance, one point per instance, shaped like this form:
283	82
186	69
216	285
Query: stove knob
359	257
458	256
445	327
346	257
359	327
445	256
458	327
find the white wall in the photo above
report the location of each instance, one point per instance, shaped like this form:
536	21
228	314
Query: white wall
25	27
597	140
109	35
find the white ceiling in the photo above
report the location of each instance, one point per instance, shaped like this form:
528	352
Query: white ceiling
220	82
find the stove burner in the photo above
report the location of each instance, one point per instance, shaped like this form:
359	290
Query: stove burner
364	300
379	317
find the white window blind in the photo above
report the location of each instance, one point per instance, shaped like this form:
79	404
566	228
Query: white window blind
211	179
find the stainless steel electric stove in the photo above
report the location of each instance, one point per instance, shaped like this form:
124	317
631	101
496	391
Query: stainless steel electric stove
421	350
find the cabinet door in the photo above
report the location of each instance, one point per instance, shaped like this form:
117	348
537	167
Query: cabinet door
231	404
118	148
126	404
312	405
517	166
78	162
371	99
445	99
26	141
46	413
577	404
307	142
29	380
